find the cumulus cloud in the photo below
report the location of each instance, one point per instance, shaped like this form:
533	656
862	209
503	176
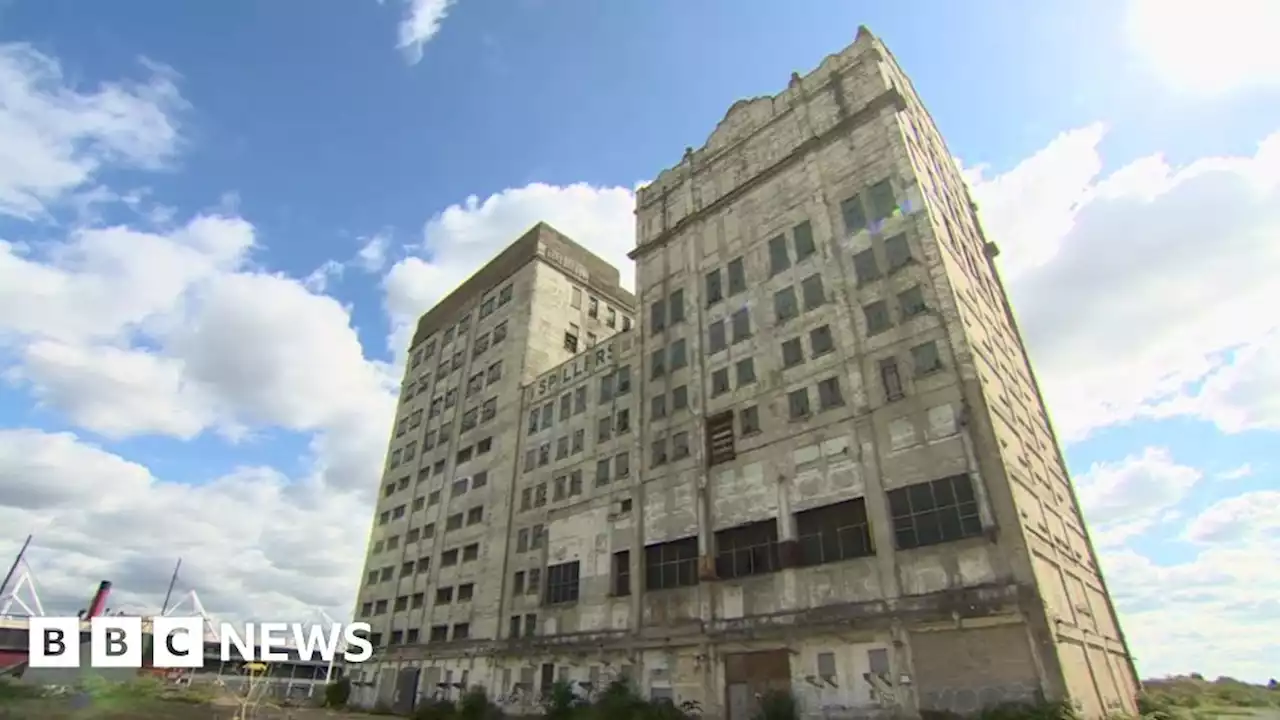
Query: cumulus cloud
1128	497
460	239
54	137
1139	295
421	22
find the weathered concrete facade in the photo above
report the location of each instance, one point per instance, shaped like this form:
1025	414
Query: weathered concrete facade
819	461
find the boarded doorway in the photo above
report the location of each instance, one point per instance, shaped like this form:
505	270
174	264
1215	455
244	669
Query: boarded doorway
750	676
406	690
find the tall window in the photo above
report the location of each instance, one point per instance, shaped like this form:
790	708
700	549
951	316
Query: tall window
671	564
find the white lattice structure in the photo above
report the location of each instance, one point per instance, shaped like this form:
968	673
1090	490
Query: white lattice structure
11	598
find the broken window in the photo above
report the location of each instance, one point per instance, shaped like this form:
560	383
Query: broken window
747	550
671	564
835	532
562	583
934	512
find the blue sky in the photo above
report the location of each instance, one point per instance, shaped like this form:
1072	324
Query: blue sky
297	186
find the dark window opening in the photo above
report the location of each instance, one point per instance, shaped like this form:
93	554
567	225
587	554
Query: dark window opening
622	573
747	550
671	564
934	512
562	583
835	532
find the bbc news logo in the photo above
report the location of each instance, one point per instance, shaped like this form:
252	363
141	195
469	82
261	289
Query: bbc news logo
178	642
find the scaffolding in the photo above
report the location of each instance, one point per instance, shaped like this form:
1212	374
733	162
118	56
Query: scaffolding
21	594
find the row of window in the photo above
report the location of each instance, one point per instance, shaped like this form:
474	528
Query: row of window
487	308
437	633
613	384
460	487
910	304
593	310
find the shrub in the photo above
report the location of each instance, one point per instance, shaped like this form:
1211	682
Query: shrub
337	693
475	705
436	709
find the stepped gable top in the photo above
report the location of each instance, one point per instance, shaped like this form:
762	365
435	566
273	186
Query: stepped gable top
748	115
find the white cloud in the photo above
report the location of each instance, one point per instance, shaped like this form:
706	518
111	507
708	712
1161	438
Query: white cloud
420	23
1228	589
462	238
1132	288
253	544
372	255
1128	497
54	138
1234	43
1236	473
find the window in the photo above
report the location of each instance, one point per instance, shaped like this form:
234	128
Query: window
680	446
658	363
891	379
579	438
680	398
833	532
535	581
499	332
621	573
444	595
717	340
880	199
658	407
453	522
606	389
737	276
475	515
911	302
622	465
811	288
720	447
602	472
798	403
429	531
484	446
575	298
571	339
934	512
517	583
522	540
749	420
544	454
623	383
877	315
855	218
785	305
575	483
675	306
406	570
530	625
439	633
611	317
792	353
495	373
746	369
741	325
925	358
747	550
466	591
580	400
820	340
679	355
897	252
865	267
779	258
540	495
658	316
481	345
514	629
566	406
714	293
471	552
480	479
829	395
504	295
449	558
659	452
803	235
562	583
671	564
462	631
562	448
719	382
593	307
464	455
